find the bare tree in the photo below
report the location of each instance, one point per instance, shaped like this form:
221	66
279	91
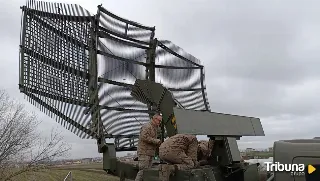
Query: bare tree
21	144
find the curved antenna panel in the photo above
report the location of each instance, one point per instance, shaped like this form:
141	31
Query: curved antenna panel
122	58
80	69
182	74
54	62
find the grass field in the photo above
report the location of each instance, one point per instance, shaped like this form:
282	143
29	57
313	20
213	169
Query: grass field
81	172
262	154
89	172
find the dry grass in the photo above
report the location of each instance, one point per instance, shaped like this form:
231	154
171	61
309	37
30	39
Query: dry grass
81	172
89	172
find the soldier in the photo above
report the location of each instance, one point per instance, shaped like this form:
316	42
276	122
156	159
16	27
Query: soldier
204	151
179	150
147	145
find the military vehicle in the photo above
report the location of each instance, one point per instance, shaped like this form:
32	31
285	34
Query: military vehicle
102	76
303	152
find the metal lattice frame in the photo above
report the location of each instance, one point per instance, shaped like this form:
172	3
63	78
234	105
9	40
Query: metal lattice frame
79	69
54	61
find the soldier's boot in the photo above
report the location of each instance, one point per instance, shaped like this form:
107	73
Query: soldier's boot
165	171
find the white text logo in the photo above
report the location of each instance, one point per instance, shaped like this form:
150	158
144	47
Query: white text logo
294	169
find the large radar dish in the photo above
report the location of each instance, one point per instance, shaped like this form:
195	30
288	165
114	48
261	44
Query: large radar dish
80	68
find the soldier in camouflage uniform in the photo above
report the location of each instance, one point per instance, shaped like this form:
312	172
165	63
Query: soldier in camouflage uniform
147	145
204	151
180	151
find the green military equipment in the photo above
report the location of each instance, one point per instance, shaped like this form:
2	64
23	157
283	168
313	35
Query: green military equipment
102	76
297	151
225	160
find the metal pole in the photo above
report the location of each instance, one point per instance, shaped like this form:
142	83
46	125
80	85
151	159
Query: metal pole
152	60
152	77
69	174
150	68
22	40
93	86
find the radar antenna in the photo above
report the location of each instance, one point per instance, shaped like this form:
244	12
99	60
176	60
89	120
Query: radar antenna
102	76
80	69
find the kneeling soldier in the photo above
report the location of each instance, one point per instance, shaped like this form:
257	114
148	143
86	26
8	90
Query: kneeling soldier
180	152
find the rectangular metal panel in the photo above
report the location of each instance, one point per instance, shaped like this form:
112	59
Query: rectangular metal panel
55	58
234	150
217	124
54	62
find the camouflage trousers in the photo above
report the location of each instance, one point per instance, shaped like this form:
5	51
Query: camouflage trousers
165	171
177	160
144	163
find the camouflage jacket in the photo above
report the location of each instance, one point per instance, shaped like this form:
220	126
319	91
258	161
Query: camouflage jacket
204	151
178	142
148	142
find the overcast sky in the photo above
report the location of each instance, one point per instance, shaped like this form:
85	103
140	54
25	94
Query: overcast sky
260	57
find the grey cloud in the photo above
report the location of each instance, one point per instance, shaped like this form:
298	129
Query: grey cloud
261	58
284	127
253	40
263	99
10	18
